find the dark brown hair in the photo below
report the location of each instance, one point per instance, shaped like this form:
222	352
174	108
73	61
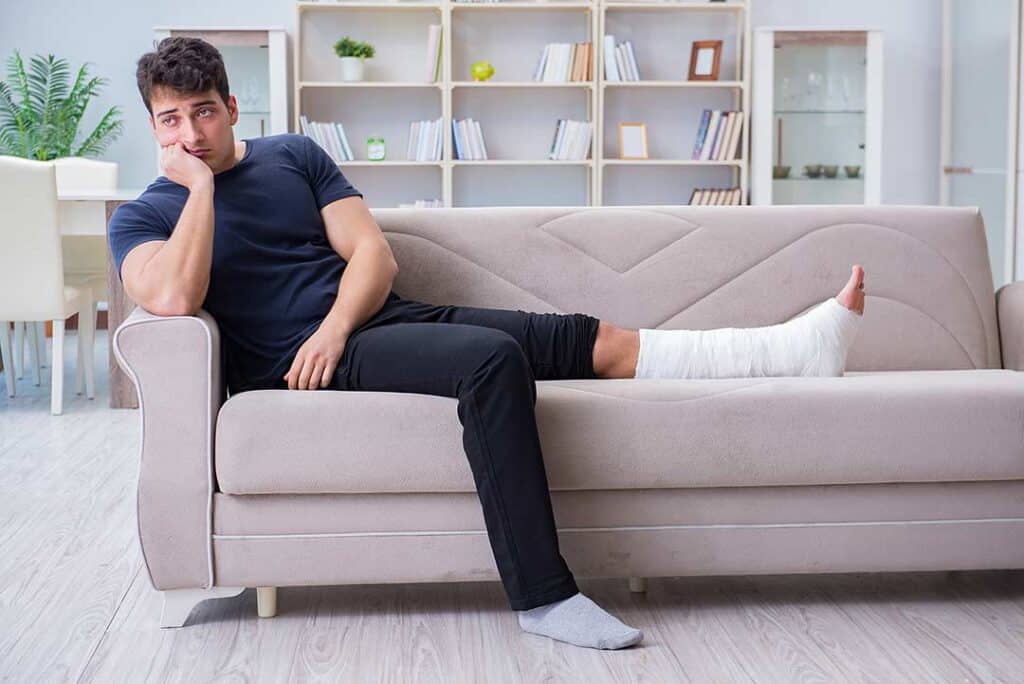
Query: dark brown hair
185	65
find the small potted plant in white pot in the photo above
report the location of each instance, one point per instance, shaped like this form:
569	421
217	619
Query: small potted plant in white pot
352	53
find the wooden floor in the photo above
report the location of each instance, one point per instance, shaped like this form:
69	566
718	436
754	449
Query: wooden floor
75	603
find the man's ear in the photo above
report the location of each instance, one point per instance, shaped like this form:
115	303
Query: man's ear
232	109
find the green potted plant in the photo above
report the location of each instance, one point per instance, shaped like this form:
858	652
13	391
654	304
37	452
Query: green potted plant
43	122
352	53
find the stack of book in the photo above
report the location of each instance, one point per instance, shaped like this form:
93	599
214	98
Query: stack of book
572	139
562	62
433	72
718	136
425	141
421	204
716	196
619	61
468	139
330	136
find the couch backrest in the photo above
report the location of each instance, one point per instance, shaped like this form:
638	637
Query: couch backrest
930	296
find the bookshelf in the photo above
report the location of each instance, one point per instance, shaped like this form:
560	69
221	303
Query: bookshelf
518	116
668	103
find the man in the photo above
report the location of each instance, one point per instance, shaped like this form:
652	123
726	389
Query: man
269	237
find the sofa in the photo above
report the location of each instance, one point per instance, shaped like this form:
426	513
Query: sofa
913	461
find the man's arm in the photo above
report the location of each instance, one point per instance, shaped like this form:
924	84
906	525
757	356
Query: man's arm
371	270
170	278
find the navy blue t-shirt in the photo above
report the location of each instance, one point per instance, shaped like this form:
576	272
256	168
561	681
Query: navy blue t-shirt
274	274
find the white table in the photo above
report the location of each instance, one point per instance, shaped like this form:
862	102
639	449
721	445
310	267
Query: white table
87	214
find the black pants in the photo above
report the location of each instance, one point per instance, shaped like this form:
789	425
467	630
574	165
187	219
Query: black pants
489	360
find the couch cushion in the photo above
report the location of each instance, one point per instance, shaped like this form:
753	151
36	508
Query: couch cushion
866	427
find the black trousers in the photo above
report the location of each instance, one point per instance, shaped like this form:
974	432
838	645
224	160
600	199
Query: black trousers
488	359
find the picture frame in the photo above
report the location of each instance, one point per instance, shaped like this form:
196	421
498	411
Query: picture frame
632	140
705	56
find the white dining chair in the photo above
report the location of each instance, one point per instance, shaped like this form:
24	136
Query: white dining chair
34	333
85	254
32	285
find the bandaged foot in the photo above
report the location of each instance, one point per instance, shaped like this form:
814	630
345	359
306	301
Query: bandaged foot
814	344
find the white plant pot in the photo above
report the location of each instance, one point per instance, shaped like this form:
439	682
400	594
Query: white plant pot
352	68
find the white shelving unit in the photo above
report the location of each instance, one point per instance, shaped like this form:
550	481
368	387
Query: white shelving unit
518	116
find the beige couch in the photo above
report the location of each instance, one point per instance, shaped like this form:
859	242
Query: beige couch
912	461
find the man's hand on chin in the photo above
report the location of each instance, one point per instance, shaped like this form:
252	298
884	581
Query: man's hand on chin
317	358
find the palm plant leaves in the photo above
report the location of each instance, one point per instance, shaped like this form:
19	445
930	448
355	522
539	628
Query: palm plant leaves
40	112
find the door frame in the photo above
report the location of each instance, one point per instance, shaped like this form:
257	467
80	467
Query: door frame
1012	223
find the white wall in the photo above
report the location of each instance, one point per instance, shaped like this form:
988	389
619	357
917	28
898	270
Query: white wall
112	35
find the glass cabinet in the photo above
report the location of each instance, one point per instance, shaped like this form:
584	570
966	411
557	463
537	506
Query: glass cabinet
816	117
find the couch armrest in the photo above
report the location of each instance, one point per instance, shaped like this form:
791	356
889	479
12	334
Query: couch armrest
1010	313
175	364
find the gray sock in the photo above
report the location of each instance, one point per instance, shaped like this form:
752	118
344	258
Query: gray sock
578	620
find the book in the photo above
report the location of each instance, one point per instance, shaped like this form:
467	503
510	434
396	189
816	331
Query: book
551	63
410	149
421	142
480	139
344	141
702	130
538	71
631	60
334	142
723	126
458	150
438	139
730	126
705	150
433	64
718	135
562	62
567	137
611	71
621	63
469	139
716	197
577	63
583	151
571	140
734	145
555	144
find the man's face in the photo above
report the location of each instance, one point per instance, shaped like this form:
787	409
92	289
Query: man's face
201	122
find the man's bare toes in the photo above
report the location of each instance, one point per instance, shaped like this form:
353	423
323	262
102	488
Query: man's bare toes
852	295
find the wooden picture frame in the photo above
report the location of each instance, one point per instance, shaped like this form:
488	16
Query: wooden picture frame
632	140
705	56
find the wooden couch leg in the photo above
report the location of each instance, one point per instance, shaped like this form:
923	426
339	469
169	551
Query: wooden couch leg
178	603
638	584
266	601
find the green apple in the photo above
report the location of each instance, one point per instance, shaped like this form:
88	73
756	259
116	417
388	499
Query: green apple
481	71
